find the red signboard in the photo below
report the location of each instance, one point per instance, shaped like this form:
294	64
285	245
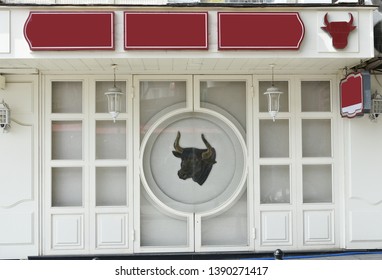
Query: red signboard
70	31
351	91
153	30
260	31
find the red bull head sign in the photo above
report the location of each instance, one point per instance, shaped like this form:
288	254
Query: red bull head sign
339	31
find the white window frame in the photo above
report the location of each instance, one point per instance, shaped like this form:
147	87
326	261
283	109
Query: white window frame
84	217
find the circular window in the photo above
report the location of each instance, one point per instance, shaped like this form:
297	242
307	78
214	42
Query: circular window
193	161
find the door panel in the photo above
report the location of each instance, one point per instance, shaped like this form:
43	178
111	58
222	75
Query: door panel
19	215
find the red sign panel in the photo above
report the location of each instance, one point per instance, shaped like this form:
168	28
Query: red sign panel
70	31
166	30
260	31
351	91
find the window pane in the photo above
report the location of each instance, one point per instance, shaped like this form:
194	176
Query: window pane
157	96
317	183
111	186
316	138
66	140
101	99
111	140
274	138
66	186
315	96
284	98
227	95
274	184
66	97
158	229
227	229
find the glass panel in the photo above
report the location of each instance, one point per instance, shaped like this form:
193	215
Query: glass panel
317	183
157	96
101	99
66	97
111	140
284	98
66	186
315	96
158	229
66	140
229	96
316	138
227	229
274	138
111	186
274	184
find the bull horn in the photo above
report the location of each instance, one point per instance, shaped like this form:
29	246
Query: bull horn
351	19
177	147
207	154
326	21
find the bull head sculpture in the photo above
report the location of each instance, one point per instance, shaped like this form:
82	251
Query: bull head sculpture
196	163
339	31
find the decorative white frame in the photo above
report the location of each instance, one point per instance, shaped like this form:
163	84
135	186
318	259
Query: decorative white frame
296	210
194	219
297	237
86	215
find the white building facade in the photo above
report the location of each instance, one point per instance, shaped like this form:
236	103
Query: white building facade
74	182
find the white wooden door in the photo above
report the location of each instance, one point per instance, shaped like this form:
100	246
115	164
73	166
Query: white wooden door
363	185
19	170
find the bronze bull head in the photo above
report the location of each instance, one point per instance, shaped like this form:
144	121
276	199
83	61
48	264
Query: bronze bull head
195	163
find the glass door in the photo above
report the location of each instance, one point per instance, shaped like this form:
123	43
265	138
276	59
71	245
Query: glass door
88	182
295	166
192	159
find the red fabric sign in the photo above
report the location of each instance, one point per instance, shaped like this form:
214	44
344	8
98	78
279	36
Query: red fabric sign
260	31
166	30
351	90
70	31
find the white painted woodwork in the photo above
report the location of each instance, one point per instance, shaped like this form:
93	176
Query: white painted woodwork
89	200
296	176
276	228
5	31
318	227
19	217
364	192
364	226
112	231
67	231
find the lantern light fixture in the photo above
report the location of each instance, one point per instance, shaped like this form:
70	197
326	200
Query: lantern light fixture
376	106
273	93
114	95
5	116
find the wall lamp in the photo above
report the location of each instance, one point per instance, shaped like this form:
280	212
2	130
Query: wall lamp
114	98
5	116
273	97
376	106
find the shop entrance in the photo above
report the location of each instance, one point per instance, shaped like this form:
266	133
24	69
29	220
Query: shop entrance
193	163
